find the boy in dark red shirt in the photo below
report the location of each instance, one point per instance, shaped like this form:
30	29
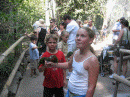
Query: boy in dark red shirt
55	78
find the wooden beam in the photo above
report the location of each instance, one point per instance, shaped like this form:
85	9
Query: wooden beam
2	57
4	92
124	58
124	51
123	80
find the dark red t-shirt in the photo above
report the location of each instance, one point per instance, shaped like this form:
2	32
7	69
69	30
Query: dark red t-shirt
54	76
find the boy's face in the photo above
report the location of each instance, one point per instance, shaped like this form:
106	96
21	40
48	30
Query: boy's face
65	37
52	44
61	26
34	41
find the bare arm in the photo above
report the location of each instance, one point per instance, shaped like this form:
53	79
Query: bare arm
93	70
64	75
116	30
120	36
34	47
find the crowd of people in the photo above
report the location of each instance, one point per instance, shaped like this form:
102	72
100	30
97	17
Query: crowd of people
121	30
82	66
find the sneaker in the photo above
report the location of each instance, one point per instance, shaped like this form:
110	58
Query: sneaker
122	76
111	76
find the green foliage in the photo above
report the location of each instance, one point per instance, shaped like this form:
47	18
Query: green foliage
7	40
7	66
17	17
21	14
80	9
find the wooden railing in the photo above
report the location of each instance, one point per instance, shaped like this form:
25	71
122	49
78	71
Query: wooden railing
117	76
3	56
20	61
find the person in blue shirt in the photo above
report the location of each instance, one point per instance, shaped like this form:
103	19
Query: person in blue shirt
34	55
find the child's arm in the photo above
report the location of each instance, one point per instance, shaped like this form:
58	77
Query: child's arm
64	65
64	75
36	47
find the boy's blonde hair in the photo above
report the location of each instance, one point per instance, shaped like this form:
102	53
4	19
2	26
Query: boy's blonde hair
53	36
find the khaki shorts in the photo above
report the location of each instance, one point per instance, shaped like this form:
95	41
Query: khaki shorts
33	64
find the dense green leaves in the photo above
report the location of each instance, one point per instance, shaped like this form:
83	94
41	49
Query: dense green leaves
21	14
80	9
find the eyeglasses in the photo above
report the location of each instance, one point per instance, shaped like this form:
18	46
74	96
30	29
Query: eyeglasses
51	22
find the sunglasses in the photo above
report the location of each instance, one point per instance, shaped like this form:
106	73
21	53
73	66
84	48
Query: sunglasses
51	22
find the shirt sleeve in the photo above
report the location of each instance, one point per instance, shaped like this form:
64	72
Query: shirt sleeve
70	28
31	46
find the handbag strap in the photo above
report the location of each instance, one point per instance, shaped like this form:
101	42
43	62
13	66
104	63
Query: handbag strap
127	34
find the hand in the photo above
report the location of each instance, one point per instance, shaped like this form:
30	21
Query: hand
40	46
47	64
50	64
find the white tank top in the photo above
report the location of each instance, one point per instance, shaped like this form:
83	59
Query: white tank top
78	81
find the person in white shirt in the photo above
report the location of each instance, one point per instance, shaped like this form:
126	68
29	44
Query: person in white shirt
72	27
116	29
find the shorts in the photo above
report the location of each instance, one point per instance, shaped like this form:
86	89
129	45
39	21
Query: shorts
69	94
33	64
49	92
71	47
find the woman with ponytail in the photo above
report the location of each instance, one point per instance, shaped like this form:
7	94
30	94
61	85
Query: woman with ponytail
83	79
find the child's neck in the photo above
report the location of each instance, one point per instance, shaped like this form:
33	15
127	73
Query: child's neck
52	51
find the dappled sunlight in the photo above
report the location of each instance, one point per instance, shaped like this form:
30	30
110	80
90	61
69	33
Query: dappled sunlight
100	45
100	86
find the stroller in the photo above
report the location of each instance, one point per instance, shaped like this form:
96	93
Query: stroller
107	54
